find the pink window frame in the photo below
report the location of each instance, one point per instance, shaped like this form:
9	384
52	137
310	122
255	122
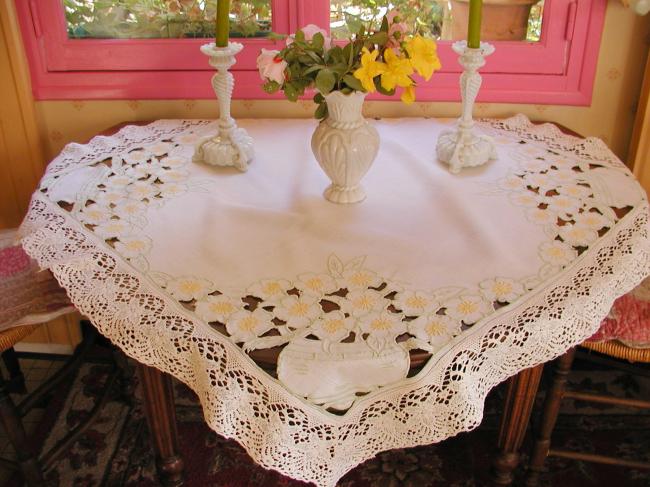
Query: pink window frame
559	69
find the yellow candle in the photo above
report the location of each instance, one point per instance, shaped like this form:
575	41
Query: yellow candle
223	23
474	24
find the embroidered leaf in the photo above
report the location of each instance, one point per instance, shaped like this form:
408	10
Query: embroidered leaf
266	342
335	266
160	278
355	264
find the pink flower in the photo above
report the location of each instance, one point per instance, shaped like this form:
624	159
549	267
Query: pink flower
271	66
394	27
311	30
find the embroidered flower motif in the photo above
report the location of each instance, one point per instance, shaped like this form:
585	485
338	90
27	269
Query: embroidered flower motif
574	190
217	308
171	175
316	284
578	235
128	208
298	312
333	326
118	181
414	303
187	139
557	253
143	190
108	197
436	329
563	205
383	324
173	162
527	199
563	176
139	172
593	220
133	246
95	214
137	157
359	279
169	190
537	180
469	308
159	148
270	290
245	325
359	303
541	216
501	289
113	229
511	183
534	165
189	288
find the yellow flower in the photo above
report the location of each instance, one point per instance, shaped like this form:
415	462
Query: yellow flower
408	95
423	55
370	68
398	71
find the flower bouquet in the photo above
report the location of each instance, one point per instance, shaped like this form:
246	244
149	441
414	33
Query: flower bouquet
386	60
370	61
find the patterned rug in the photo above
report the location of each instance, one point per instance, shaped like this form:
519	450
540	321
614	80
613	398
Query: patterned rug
116	450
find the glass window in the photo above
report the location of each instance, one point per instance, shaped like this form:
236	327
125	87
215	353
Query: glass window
519	20
138	19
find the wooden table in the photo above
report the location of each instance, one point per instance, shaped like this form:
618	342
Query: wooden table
161	416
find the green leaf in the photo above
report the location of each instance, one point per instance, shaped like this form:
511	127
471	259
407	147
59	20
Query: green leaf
321	111
318	40
271	87
380	38
319	98
300	36
353	82
290	92
384	24
325	81
311	69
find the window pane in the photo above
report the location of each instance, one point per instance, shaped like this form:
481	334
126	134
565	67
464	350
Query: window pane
441	19
163	18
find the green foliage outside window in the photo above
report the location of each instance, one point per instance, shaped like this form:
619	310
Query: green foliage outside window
163	18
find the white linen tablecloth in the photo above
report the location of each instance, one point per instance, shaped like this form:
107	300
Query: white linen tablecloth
189	268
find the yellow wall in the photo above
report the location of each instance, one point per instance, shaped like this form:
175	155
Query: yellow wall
610	116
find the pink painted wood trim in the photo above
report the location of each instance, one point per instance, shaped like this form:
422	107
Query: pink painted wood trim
554	71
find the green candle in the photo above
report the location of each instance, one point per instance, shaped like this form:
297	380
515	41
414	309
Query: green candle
223	23
474	24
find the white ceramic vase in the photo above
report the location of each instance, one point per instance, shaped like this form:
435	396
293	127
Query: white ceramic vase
345	145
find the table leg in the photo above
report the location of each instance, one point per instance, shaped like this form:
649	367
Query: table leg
518	406
161	418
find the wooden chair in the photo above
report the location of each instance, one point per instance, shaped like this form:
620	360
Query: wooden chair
558	391
29	297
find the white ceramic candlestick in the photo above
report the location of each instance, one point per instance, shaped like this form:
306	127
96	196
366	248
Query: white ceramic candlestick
232	146
463	147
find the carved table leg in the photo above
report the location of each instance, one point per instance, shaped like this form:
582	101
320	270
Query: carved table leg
522	389
161	418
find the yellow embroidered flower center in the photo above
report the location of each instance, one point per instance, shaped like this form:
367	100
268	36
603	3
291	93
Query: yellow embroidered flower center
314	283
434	328
272	288
248	324
381	324
467	307
556	252
221	308
94	214
360	279
135	245
502	288
363	302
333	326
299	309
416	302
190	287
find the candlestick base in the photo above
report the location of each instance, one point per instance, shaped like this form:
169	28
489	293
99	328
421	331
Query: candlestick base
463	147
231	146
